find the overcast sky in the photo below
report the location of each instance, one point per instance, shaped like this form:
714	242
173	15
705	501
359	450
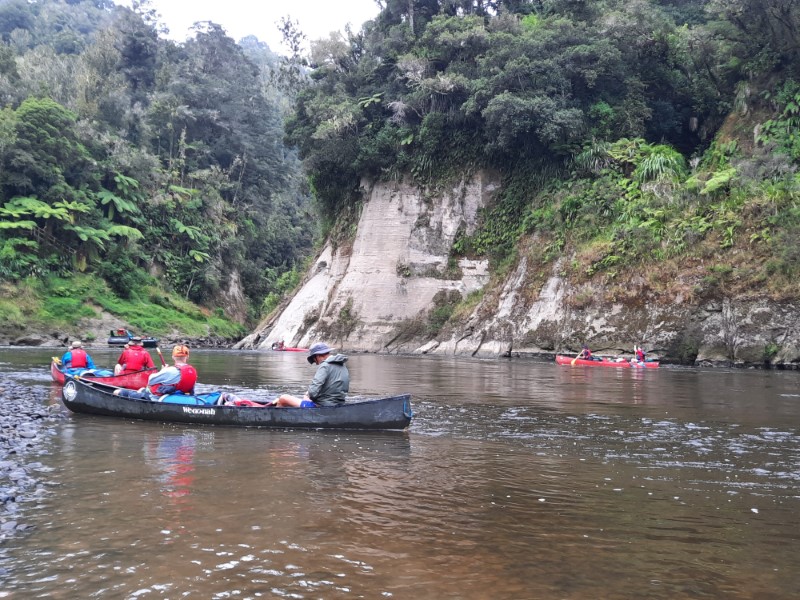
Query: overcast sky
240	18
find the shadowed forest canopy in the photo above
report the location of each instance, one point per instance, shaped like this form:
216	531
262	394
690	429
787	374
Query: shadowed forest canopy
433	86
128	155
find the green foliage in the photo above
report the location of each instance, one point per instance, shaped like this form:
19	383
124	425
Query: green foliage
762	34
346	321
121	273
444	305
467	305
17	257
720	180
498	232
114	140
660	163
66	310
784	131
283	283
469	88
785	245
602	116
771	349
717	278
12	315
115	204
719	155
62	302
531	21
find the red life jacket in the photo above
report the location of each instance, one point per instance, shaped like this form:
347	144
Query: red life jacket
136	358
188	379
78	359
185	383
640	355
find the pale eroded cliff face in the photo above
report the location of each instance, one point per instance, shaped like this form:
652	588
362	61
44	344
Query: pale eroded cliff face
378	295
361	296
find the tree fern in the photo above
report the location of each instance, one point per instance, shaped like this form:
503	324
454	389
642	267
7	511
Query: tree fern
115	203
719	181
131	233
89	234
17	224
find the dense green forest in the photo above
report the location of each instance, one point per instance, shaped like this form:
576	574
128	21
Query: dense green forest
149	163
627	133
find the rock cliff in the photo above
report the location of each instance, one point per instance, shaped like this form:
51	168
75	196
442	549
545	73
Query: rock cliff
394	285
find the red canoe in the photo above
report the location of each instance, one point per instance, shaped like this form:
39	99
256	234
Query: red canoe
132	381
277	348
568	360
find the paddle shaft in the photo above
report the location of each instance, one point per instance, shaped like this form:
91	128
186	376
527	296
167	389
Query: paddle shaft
161	356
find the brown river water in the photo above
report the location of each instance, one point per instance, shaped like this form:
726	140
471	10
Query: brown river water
516	480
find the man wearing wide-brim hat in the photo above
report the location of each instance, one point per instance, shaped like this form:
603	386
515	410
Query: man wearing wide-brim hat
330	384
76	359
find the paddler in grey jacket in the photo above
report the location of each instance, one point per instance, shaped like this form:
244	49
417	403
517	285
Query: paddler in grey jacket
330	384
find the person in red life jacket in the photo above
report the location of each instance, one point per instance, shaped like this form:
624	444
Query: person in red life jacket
133	358
76	359
638	352
179	378
585	353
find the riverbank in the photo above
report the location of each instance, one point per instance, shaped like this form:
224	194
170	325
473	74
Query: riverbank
54	311
26	423
62	340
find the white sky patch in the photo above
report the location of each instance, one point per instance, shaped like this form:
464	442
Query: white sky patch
240	18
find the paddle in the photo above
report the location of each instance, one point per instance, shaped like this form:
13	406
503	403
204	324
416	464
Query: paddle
574	360
161	356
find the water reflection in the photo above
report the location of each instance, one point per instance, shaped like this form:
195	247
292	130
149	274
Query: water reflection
172	458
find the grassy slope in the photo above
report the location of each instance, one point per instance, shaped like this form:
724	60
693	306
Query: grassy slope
71	305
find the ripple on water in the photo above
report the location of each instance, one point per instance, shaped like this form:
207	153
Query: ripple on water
488	495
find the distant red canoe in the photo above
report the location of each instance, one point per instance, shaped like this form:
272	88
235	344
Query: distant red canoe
288	348
132	381
568	360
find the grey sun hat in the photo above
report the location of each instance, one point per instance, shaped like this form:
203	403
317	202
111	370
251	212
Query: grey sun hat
76	344
318	348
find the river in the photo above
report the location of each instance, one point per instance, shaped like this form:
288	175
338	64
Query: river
516	480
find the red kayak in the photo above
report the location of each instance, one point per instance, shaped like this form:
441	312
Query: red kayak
606	362
132	381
